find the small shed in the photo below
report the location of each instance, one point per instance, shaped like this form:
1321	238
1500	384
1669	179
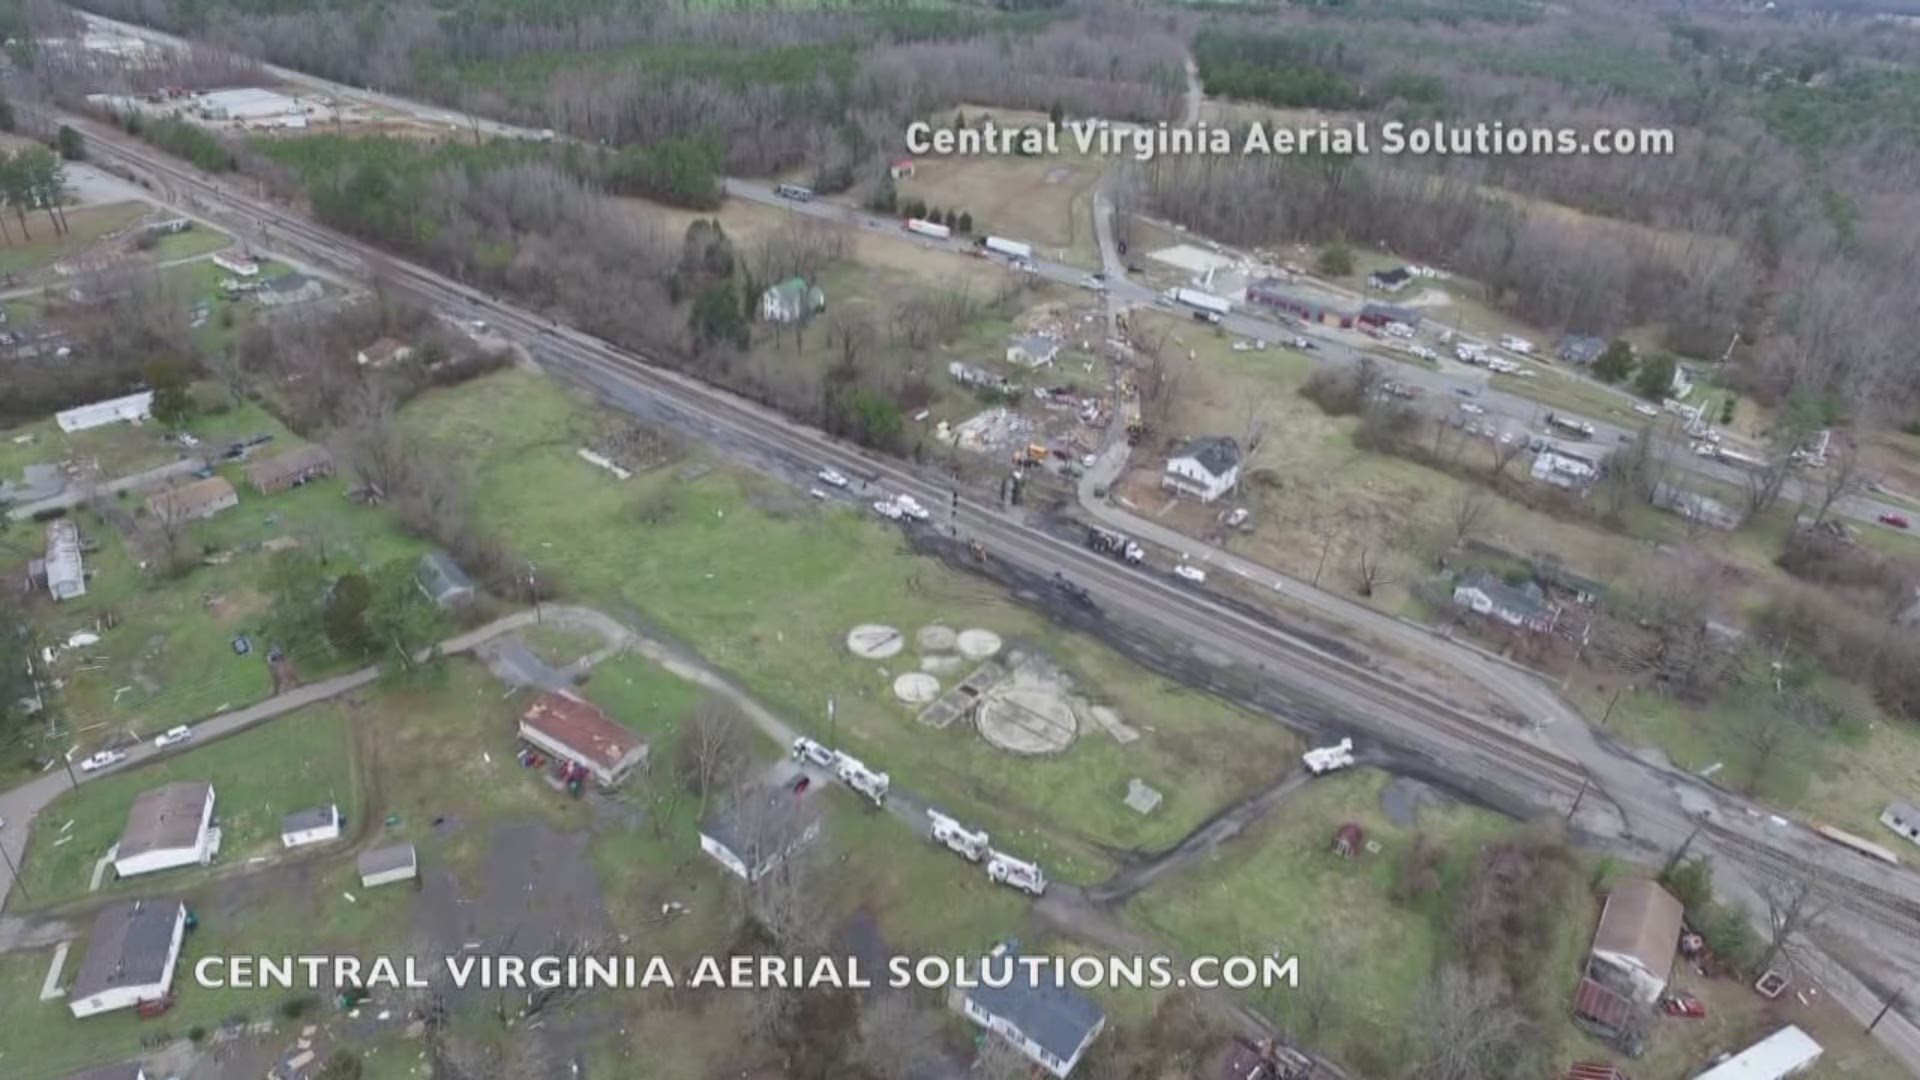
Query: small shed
1904	818
442	580
1347	840
315	826
382	866
1634	946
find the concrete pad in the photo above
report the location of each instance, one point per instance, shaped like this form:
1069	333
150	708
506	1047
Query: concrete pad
51	988
100	868
916	688
941	665
1027	720
978	644
936	638
1140	797
871	641
1111	723
1190	258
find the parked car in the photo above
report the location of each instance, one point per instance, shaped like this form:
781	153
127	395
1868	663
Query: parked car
817	493
1191	573
1465	391
1471	409
173	736
831	478
911	507
102	759
888	509
1893	520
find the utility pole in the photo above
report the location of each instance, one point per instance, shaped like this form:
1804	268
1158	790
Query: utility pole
1579	798
1608	715
533	591
831	725
1890	1002
14	873
1681	852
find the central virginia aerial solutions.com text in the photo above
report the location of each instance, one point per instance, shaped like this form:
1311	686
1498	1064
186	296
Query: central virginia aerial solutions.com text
1145	142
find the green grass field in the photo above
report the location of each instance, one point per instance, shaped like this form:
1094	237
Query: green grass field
1280	890
764	583
258	777
40	247
199	240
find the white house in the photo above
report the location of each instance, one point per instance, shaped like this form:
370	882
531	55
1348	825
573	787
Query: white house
1034	350
767	823
237	263
1634	945
442	580
576	730
1524	608
315	826
791	301
1206	467
1052	1026
1564	468
168	826
1787	1052
131	409
65	572
130	956
1390	280
382	866
1903	818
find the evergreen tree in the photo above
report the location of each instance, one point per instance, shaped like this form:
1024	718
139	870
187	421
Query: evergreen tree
1616	363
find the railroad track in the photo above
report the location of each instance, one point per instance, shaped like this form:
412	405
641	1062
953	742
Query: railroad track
1883	905
585	360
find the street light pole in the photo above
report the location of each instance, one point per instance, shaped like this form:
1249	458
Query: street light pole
1884	1008
533	591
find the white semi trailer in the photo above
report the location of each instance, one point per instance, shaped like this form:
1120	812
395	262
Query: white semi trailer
1200	301
970	843
1011	248
1325	759
1004	869
928	228
856	775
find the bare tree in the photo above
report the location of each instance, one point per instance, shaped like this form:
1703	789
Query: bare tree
1763	484
712	749
372	443
1795	902
170	519
849	332
1772	738
1842	478
1370	570
1501	452
1464	1028
776	832
1470	507
1254	427
899	1035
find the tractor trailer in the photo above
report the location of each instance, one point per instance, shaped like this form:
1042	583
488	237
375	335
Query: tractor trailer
1201	301
1013	249
928	228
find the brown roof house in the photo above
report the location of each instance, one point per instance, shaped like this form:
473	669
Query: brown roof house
1639	931
169	826
291	469
383	352
191	502
567	727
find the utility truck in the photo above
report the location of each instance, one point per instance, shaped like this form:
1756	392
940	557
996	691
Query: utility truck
856	775
929	228
971	844
1004	869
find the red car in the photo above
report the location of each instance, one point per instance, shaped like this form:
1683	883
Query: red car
1897	521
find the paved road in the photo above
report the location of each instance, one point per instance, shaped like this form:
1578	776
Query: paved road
75	494
1229	636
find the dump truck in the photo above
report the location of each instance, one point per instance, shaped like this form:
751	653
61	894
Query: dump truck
1200	301
1119	545
1325	759
856	775
1004	869
1010	248
971	844
1579	429
928	228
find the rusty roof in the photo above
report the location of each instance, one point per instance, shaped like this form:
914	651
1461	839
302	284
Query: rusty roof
581	727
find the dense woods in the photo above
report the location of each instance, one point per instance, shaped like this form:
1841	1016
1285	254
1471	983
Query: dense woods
1787	211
